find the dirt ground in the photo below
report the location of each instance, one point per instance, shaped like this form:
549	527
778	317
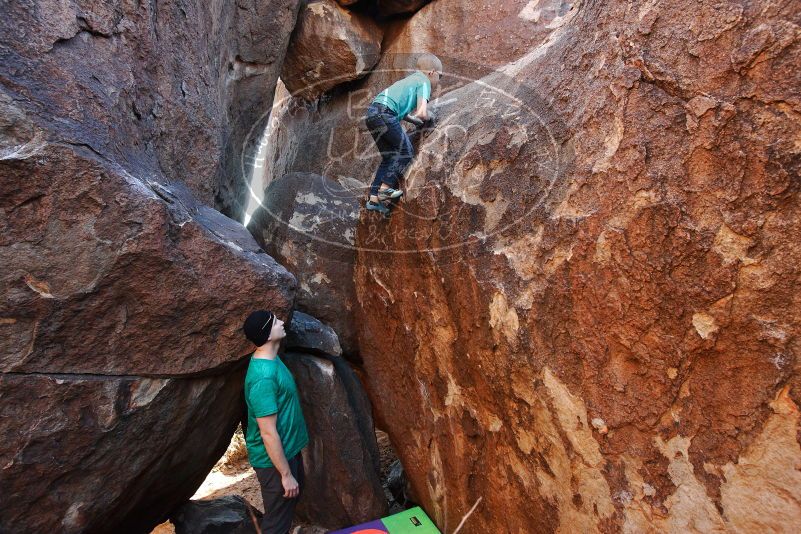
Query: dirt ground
385	452
233	475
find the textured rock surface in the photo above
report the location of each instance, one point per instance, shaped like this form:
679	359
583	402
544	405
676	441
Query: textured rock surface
107	274
308	223
171	89
230	515
598	310
341	461
307	334
471	41
122	295
102	454
330	45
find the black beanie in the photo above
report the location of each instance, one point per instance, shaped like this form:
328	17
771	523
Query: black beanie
258	325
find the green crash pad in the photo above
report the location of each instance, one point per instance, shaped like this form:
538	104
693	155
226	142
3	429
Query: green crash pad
411	521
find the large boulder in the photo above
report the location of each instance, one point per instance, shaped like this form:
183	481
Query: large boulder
470	42
230	514
308	223
93	453
177	91
307	334
109	280
122	292
107	274
330	46
342	460
602	247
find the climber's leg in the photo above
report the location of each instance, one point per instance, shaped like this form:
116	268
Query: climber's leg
385	174
389	188
389	138
383	136
403	159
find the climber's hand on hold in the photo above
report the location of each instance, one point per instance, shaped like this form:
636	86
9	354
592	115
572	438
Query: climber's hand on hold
431	120
414	120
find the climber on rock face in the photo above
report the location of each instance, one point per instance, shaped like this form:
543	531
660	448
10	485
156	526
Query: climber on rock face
389	107
276	431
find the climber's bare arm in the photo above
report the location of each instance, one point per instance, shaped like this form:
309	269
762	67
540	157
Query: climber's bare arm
422	109
275	450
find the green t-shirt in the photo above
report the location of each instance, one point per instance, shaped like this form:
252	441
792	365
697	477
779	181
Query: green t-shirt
270	389
401	96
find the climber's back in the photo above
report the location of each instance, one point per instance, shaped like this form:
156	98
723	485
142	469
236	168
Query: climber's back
401	96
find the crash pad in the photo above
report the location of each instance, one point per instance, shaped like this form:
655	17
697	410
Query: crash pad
411	521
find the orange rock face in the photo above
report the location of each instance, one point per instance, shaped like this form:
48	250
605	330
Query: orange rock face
330	45
585	315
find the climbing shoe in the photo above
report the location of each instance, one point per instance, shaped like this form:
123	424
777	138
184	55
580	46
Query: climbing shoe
389	194
379	207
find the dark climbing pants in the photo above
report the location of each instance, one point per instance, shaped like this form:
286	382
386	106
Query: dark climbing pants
278	511
393	144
